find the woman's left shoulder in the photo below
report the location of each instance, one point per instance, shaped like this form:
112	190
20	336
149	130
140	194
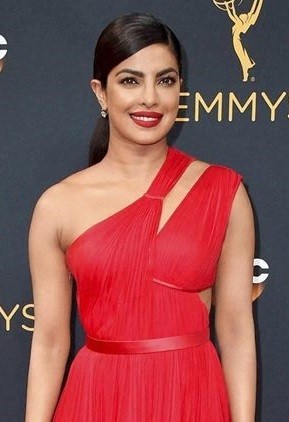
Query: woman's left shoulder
227	181
226	175
226	170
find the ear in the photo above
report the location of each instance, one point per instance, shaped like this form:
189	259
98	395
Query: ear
99	91
181	82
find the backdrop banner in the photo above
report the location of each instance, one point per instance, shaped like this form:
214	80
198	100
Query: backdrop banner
233	111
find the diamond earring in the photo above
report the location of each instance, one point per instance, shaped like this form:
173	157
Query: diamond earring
103	113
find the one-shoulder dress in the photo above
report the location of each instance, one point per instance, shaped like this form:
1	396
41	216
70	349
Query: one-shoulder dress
148	356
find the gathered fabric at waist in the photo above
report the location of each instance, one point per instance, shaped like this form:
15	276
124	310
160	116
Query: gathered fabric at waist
149	345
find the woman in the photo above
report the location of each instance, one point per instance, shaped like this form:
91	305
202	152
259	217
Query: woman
146	230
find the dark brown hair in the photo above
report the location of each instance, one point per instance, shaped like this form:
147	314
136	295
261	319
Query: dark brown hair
122	38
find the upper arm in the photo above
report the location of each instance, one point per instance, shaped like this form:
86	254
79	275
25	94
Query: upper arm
233	287
50	279
231	14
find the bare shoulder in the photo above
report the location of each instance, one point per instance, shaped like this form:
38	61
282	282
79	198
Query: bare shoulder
59	195
53	207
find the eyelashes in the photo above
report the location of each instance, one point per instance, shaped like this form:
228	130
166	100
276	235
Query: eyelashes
132	81
168	80
128	81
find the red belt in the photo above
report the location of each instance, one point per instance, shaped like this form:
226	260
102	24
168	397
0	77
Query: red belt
148	345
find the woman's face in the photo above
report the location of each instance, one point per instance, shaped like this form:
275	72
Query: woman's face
142	96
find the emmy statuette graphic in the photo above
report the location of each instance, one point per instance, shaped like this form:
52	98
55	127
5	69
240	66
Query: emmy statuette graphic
241	24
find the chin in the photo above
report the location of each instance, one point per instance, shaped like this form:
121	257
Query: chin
147	137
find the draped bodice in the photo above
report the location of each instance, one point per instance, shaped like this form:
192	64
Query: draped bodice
124	265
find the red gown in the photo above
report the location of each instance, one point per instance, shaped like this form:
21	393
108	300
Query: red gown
135	283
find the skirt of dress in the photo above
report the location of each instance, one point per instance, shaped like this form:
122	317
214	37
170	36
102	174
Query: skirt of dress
184	385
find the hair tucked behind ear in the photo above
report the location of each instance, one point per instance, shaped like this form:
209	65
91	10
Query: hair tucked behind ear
122	38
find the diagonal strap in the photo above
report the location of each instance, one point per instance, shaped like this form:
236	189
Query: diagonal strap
176	163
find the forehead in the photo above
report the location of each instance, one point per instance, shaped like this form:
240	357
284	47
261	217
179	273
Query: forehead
149	59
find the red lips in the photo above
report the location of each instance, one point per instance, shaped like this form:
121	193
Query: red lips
146	118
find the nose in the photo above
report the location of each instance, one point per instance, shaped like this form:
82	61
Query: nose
149	95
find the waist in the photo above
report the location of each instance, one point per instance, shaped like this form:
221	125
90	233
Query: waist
149	345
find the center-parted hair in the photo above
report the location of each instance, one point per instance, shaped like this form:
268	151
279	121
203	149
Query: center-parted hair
122	38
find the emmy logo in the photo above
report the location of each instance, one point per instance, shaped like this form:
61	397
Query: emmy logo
241	24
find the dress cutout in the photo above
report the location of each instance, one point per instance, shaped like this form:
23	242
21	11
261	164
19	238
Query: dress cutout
135	282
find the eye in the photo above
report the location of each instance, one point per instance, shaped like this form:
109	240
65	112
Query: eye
128	81
167	81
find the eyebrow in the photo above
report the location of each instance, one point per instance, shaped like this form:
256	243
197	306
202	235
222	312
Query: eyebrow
141	74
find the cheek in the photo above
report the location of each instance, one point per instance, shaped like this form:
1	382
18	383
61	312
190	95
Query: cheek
119	98
171	100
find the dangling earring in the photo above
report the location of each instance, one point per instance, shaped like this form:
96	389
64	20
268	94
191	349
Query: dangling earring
103	113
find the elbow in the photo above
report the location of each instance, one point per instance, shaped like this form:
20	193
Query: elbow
55	342
235	331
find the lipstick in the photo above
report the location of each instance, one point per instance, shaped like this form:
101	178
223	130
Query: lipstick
146	118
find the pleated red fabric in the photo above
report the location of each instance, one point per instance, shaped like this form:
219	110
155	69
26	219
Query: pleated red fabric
136	283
